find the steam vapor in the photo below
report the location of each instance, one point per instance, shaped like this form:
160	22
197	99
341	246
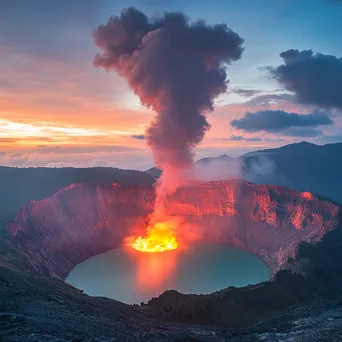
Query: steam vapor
176	67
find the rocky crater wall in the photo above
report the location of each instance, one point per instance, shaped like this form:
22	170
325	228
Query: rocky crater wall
79	221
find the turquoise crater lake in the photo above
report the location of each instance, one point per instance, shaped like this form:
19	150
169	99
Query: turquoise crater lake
132	277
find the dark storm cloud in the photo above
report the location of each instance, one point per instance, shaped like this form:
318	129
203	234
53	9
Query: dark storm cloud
176	67
277	121
138	136
315	79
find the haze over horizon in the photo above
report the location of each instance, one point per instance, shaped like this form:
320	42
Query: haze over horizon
57	109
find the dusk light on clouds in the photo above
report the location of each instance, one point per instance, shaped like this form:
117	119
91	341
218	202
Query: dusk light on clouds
58	109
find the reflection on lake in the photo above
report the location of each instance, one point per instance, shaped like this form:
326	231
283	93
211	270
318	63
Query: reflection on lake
132	277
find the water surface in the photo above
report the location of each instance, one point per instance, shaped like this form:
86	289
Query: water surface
133	277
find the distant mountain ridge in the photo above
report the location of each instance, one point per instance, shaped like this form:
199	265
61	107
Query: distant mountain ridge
301	166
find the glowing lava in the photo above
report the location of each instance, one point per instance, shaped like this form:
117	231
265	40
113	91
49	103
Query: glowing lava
159	238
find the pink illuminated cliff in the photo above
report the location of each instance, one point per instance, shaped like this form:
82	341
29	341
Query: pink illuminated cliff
80	221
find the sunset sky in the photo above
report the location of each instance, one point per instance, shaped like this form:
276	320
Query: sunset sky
57	109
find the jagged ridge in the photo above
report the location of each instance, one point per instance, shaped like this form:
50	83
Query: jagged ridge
80	221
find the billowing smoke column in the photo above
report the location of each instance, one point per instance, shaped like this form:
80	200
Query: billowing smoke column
177	68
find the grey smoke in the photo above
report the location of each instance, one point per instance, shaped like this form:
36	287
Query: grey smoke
176	67
213	169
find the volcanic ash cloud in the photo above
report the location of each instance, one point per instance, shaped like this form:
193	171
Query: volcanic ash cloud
177	68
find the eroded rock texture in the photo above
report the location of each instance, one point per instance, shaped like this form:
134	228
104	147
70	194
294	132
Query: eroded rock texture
80	221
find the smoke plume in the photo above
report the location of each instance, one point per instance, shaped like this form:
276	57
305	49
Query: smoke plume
177	68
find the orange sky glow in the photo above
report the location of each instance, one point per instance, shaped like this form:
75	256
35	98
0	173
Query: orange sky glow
57	109
84	111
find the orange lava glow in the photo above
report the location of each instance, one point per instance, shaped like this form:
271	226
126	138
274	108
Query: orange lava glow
159	238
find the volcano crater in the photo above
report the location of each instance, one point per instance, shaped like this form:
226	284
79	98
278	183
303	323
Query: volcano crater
296	234
81	221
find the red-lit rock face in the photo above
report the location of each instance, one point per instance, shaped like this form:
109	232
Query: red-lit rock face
80	221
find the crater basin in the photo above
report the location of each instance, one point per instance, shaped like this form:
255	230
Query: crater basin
132	277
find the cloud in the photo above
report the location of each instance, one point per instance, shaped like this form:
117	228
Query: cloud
267	99
250	139
241	138
246	92
275	121
220	168
14	161
138	136
259	168
42	149
100	163
48	149
139	159
13	140
17	155
315	79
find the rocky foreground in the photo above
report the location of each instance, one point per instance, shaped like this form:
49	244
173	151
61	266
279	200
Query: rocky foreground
35	309
298	235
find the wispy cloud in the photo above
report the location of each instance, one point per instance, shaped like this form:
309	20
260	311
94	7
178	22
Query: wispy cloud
246	92
241	138
47	131
138	136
